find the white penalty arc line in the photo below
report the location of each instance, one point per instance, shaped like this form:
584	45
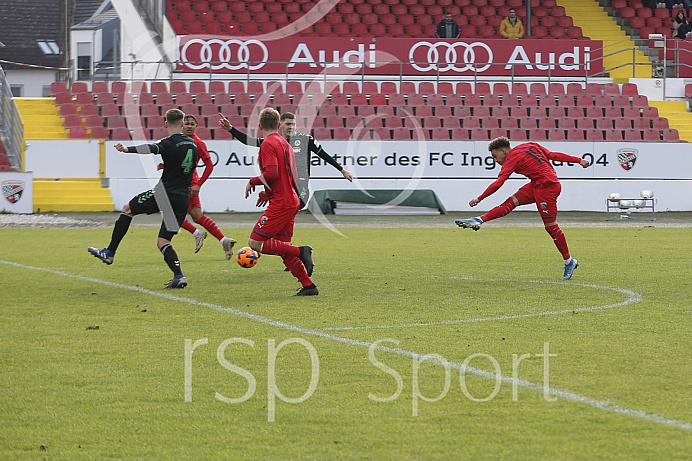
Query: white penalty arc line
632	297
599	404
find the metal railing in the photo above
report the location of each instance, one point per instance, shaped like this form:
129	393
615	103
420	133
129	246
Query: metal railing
11	126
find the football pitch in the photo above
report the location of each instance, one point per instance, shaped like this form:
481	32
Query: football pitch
427	341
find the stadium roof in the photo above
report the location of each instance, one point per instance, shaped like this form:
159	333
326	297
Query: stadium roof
87	9
23	25
97	21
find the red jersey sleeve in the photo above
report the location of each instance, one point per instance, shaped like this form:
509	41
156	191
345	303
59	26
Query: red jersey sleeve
505	173
203	154
268	160
560	157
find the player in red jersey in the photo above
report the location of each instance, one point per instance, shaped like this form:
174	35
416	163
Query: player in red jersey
533	161
195	208
273	232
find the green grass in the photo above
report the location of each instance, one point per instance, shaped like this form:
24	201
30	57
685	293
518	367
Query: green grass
117	391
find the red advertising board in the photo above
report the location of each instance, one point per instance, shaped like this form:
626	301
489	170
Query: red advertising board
389	56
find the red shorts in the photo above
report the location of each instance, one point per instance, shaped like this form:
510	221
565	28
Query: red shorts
194	202
275	223
544	196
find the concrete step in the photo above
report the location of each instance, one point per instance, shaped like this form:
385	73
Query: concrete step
71	207
71	195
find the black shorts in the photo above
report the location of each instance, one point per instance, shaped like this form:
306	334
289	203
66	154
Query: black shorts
145	203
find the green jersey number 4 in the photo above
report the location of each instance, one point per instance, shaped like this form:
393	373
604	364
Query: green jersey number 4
187	161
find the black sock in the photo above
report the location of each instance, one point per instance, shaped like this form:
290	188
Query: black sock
171	258
119	231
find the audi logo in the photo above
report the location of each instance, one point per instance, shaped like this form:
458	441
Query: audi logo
217	54
450	60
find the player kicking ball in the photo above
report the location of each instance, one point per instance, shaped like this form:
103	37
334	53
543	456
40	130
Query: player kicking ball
533	161
273	232
195	207
179	153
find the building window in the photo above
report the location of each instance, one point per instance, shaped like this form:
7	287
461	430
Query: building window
18	90
84	61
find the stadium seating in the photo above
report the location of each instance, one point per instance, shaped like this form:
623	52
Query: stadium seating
561	111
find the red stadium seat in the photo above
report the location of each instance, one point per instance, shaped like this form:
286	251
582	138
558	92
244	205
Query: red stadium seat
556	89
659	123
539	32
479	134
594	135
537	134
670	135
622	123
508	122
464	88
488	122
58	87
454	100
640	101
613	135
631	135
87	110
519	111
460	134
431	122
557	134
528	122
549	22
401	134
538	89
486	31
519	88
482	88
510	100
449	121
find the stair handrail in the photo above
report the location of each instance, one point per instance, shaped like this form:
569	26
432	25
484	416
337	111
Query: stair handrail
605	70
11	125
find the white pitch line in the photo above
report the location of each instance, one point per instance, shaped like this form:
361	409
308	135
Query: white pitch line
632	297
598	404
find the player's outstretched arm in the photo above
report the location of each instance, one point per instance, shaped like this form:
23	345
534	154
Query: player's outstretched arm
224	123
157	148
584	163
347	174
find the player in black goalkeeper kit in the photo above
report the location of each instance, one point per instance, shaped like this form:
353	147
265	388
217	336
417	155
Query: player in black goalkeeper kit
171	196
303	145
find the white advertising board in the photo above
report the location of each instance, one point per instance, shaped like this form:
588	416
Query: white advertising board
17	192
435	159
63	159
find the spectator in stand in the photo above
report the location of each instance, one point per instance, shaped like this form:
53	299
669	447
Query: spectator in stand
448	28
681	25
670	4
511	26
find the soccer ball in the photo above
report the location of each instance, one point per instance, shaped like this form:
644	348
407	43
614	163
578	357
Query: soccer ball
639	203
647	193
615	197
247	257
625	204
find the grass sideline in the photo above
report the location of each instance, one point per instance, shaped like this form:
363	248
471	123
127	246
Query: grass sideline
97	370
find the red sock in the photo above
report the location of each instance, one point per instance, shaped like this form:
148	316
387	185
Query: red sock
277	247
211	226
187	225
295	265
559	239
499	211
